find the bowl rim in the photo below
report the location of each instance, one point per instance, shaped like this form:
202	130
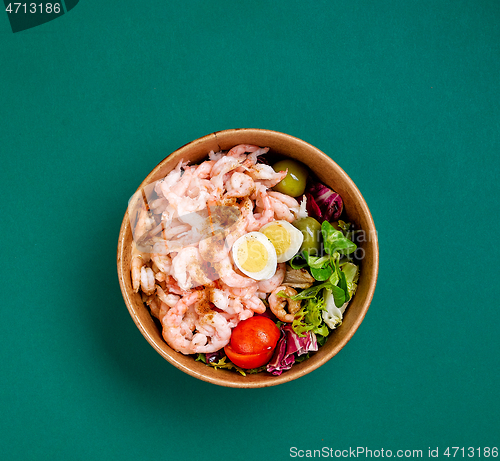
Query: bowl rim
273	380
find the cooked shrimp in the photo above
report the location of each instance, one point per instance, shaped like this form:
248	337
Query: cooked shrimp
181	186
213	249
157	206
239	228
281	211
147	280
169	299
163	262
285	207
178	331
223	166
211	330
277	304
213	333
290	202
252	156
234	319
255	304
187	269
245	292
224	301
136	265
242	149
154	306
143	221
160	276
171	232
233	309
219	171
257	220
240	185
204	169
163	311
269	285
230	277
215	155
173	287
266	175
164	185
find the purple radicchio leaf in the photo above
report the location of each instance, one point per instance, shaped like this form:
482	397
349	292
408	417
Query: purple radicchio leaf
214	357
323	203
289	345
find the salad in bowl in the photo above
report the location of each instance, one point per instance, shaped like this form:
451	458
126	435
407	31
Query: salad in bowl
245	261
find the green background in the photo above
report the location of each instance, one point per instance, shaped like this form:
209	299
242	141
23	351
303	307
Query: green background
403	95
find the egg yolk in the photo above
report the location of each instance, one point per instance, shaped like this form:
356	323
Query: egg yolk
252	255
279	237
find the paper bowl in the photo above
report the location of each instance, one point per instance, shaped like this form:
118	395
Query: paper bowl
357	213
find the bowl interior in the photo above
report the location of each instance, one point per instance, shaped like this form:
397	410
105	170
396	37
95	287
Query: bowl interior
357	213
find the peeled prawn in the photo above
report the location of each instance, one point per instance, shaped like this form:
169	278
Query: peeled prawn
204	169
136	265
233	307
281	211
241	149
252	156
147	280
285	207
169	299
269	285
192	327
230	277
245	292
255	304
154	307
240	185
256	221
163	262
187	270
266	175
277	304
177	331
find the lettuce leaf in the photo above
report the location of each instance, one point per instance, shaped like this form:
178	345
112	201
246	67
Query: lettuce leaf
309	318
334	240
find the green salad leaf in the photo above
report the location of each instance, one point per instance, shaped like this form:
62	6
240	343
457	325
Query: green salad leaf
334	240
337	277
201	358
299	261
351	272
344	227
343	285
309	318
229	365
338	295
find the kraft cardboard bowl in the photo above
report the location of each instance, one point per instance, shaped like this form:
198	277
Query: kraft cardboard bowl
357	213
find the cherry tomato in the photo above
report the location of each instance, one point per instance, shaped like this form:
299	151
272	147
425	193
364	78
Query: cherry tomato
254	335
248	360
252	342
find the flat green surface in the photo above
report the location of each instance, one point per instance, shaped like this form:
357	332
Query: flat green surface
403	95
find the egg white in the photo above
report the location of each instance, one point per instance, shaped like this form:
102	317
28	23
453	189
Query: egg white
295	236
270	259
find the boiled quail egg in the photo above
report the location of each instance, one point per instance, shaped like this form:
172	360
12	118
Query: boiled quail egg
255	256
285	238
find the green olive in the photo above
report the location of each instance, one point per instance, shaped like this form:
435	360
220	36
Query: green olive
311	230
294	182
